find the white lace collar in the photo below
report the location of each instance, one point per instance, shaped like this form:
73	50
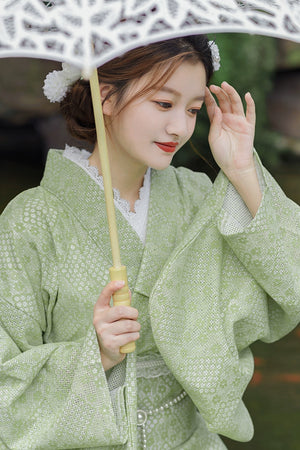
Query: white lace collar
138	218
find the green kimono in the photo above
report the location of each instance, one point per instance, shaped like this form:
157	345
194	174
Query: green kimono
205	285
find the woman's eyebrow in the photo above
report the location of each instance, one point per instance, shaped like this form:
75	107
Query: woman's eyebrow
177	94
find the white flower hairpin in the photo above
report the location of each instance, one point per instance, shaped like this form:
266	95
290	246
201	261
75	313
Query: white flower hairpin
58	82
215	55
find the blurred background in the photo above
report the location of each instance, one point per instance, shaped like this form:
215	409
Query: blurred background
268	68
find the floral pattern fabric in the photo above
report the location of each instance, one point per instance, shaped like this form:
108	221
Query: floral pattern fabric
204	294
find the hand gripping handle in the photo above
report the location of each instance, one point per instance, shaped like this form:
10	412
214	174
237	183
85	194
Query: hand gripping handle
122	297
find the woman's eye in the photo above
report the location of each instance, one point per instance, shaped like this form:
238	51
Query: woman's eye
164	105
194	111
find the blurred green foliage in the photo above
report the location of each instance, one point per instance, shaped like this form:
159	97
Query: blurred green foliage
248	63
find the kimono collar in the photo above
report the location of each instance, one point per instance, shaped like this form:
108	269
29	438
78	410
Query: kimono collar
81	195
84	198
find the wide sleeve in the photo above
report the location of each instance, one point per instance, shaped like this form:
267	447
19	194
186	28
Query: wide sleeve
52	394
269	249
221	291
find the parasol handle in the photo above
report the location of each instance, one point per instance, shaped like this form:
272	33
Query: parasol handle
117	272
122	297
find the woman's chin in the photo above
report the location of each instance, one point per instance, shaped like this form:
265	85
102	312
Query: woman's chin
162	164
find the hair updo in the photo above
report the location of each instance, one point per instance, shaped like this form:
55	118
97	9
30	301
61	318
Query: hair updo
159	59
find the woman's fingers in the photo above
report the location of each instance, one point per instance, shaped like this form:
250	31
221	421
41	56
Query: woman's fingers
124	326
114	335
250	113
223	98
106	294
110	321
115	329
121	312
210	104
118	319
234	99
115	326
228	98
215	116
229	102
110	344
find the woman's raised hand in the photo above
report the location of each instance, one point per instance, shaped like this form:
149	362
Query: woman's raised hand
231	137
231	132
115	326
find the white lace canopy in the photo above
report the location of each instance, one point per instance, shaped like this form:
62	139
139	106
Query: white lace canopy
63	30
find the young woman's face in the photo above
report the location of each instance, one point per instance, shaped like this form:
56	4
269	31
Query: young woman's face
151	129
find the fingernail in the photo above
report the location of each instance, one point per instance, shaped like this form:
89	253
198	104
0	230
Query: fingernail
120	283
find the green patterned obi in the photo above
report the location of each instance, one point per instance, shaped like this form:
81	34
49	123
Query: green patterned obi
165	412
166	417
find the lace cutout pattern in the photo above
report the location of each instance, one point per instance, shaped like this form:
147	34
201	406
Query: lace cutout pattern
138	218
68	30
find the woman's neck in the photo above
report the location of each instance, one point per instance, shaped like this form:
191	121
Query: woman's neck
127	179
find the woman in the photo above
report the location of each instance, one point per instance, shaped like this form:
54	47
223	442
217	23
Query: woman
211	268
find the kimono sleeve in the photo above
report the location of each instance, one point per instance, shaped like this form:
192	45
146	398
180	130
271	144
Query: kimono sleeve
269	248
55	394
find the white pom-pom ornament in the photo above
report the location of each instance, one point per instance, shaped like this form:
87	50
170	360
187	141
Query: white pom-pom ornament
58	82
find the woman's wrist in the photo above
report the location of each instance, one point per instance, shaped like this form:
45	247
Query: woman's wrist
247	185
107	363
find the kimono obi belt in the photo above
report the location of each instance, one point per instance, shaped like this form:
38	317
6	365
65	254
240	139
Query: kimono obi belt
164	408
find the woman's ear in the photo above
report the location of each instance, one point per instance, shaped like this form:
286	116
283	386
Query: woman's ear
107	105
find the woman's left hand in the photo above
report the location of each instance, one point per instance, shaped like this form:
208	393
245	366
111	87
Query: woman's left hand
231	132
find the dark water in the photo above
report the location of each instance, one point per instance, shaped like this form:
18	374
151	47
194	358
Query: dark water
273	397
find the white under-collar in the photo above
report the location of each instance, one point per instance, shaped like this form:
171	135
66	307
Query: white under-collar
138	218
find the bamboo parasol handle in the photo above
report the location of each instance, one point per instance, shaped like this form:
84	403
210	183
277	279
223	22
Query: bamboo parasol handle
117	272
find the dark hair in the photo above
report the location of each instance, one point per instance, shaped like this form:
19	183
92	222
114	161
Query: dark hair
160	59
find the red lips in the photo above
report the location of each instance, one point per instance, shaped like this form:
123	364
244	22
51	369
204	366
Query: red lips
168	147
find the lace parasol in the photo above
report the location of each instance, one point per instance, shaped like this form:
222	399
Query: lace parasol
64	29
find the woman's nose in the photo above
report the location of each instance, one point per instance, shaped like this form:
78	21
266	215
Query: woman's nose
178	125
